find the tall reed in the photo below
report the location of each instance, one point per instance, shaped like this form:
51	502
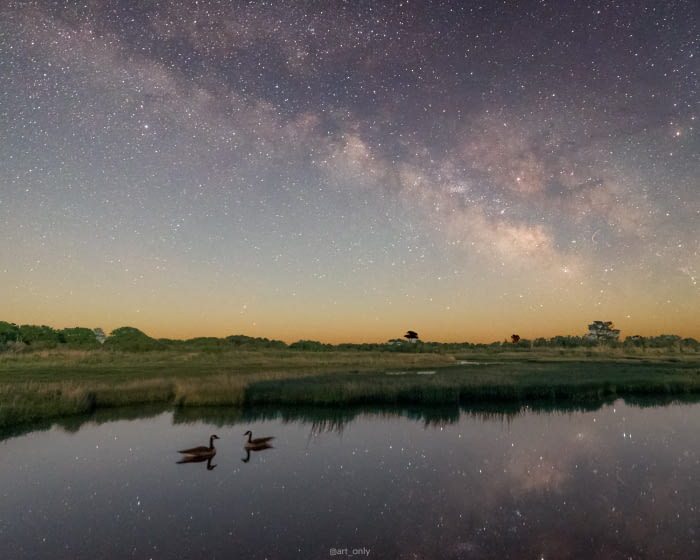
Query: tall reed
51	385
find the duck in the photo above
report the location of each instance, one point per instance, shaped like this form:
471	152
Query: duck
258	443
202	450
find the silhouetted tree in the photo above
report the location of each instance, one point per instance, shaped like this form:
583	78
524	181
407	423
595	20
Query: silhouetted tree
515	338
412	336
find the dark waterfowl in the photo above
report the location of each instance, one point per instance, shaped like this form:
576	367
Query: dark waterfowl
201	451
258	443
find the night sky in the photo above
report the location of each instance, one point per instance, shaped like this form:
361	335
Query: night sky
346	171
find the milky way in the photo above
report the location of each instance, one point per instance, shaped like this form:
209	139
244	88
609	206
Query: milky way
349	170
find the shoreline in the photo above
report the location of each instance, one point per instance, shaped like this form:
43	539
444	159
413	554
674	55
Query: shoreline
38	387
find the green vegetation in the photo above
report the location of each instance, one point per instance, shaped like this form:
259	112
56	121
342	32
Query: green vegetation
31	338
48	384
47	374
54	383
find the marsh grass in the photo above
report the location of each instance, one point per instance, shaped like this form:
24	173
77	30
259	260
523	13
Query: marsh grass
487	382
49	384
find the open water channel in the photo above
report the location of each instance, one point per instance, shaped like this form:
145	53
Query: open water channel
617	482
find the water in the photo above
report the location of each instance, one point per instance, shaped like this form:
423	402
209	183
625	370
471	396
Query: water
618	482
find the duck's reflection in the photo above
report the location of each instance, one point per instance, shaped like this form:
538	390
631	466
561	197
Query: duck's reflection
260	447
195	459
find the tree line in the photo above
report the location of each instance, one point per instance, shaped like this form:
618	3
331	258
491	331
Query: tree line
129	339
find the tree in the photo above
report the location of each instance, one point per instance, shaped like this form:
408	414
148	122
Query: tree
602	331
412	336
668	341
310	346
635	342
9	332
249	342
99	335
515	338
78	336
39	336
130	339
690	345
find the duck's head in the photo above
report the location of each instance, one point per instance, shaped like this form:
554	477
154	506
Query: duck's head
248	433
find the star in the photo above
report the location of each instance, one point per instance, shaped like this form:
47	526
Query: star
167	165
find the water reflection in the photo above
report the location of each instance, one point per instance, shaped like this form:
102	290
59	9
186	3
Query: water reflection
619	481
334	419
195	459
248	451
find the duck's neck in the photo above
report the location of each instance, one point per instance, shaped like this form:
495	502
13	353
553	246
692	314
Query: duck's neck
250	437
211	442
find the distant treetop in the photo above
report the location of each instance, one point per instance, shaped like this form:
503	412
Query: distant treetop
412	336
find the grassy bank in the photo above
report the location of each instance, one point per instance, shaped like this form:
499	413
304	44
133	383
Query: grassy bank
47	385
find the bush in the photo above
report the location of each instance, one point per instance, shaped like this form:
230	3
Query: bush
79	337
130	339
310	346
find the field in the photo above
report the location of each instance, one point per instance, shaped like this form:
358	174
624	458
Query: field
51	384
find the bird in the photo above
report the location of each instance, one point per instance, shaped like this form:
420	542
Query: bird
202	450
258	443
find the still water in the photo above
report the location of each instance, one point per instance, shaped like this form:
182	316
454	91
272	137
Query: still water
618	482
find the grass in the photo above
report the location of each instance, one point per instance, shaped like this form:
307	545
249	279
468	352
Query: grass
507	381
38	386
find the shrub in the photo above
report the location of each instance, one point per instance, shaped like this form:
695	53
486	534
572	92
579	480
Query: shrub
130	339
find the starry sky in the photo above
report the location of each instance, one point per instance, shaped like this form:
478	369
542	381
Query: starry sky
345	171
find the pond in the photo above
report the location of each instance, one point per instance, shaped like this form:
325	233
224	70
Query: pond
621	481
